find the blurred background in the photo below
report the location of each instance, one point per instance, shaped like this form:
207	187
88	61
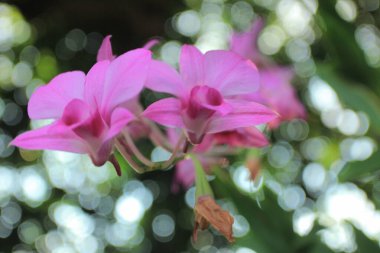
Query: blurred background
319	191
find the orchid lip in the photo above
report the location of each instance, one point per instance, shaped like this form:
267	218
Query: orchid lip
204	101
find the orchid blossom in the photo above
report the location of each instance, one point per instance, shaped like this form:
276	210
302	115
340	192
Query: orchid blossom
204	90
284	100
88	110
275	89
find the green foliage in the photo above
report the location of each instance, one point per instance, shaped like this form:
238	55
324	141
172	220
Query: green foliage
355	96
356	170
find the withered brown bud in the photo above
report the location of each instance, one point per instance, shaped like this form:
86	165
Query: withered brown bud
254	167
207	212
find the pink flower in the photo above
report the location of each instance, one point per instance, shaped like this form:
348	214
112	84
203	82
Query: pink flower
88	110
284	100
203	91
275	90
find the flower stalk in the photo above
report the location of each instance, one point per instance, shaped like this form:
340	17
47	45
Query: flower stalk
129	148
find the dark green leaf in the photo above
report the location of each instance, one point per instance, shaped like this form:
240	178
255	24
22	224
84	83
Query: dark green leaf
355	170
353	95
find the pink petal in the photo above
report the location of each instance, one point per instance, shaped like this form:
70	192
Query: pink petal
284	100
245	43
125	78
49	101
105	50
102	155
242	137
229	73
75	113
166	112
191	65
206	97
151	43
164	78
94	85
52	137
119	119
243	114
206	144
255	138
184	175
101	149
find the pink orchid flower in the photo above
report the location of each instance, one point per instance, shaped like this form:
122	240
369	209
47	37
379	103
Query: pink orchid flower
88	110
204	89
284	100
273	78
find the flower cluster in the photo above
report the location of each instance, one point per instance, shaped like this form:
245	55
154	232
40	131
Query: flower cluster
216	100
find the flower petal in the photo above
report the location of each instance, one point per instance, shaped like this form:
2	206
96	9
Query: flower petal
101	149
94	84
229	73
105	50
164	78
119	119
191	65
254	137
75	113
125	78
166	112
49	101
151	43
184	175
243	114
52	137
245	43
242	137
284	100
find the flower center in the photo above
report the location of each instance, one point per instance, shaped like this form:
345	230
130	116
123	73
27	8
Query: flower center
203	100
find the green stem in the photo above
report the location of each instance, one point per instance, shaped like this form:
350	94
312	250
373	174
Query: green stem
202	187
148	164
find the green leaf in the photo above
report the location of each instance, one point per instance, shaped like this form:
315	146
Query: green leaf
271	228
124	165
364	244
356	170
343	50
